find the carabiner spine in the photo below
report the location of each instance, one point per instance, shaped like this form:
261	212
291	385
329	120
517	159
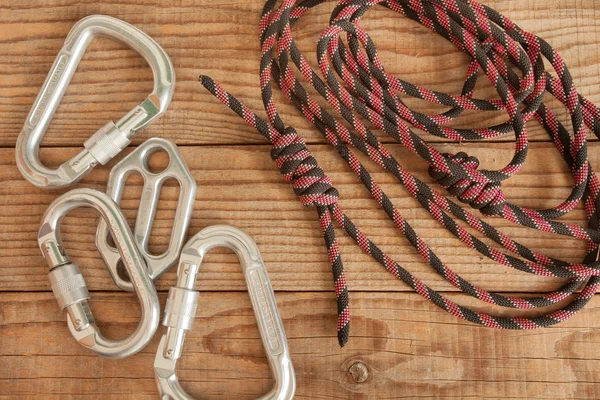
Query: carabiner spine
36	124
54	88
265	306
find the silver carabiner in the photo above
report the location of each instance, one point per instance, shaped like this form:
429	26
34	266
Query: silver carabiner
69	286
183	300
137	161
109	140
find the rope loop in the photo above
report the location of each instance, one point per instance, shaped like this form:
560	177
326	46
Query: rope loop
488	198
298	165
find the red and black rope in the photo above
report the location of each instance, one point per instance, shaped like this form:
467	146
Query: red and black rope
357	86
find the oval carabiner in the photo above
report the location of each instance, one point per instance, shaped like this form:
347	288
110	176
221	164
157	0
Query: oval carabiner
183	300
69	286
137	161
109	140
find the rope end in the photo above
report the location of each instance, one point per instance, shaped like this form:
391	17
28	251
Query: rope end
343	335
205	80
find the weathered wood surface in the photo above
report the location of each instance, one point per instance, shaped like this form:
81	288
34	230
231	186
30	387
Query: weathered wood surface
205	37
241	186
411	349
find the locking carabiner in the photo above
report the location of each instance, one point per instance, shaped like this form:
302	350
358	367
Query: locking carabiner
137	161
183	301
69	286
109	140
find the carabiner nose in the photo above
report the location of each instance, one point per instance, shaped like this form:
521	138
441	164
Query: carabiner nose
69	286
182	303
109	140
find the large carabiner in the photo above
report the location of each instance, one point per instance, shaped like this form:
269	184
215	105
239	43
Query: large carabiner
137	161
109	140
183	301
69	286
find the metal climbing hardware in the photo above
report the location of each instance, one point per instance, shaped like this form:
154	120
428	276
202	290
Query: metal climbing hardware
69	286
183	300
137	162
113	137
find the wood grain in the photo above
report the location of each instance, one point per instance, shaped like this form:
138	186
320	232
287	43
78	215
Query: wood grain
220	39
241	186
410	350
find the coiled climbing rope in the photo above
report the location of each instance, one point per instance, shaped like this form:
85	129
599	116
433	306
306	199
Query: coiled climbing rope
354	82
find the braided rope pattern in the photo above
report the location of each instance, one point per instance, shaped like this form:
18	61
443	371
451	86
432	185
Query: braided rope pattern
487	197
354	82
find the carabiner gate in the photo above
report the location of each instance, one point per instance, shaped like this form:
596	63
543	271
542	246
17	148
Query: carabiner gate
69	286
183	300
137	161
109	140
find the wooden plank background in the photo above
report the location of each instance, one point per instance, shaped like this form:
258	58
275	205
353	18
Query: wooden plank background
410	348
